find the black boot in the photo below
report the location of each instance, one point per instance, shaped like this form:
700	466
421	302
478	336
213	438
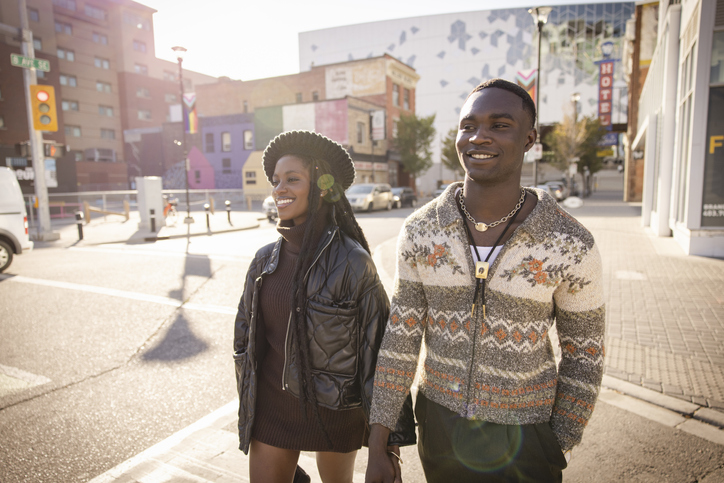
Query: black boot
301	476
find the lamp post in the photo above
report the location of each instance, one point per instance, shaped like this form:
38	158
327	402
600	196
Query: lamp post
540	17
180	51
575	97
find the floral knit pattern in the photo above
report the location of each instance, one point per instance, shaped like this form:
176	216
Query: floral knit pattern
499	368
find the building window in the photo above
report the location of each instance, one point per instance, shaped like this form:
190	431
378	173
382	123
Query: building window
105	111
250	177
169	76
197	176
406	100
140	69
299	97
100	38
136	21
103	87
144	114
33	15
716	74
143	92
108	134
72	131
139	46
170	98
95	12
63	28
226	142
360	132
66	54
395	95
248	140
40	74
37	43
246	106
69	4
210	142
68	80
226	166
102	63
315	96
69	105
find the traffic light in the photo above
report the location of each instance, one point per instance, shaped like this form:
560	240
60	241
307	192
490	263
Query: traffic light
45	116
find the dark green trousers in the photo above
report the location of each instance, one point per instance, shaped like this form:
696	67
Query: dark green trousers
455	449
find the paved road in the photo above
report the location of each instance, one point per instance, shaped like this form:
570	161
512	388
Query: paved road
93	416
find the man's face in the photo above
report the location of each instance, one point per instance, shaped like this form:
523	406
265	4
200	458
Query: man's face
493	135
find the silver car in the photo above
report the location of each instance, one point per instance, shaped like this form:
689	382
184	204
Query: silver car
370	196
270	209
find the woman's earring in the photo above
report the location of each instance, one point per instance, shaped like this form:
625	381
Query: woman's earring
324	193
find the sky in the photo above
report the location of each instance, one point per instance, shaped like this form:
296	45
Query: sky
255	39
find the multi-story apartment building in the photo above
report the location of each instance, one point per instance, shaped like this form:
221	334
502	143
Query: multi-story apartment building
107	80
337	100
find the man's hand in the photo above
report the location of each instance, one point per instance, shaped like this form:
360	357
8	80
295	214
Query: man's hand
382	467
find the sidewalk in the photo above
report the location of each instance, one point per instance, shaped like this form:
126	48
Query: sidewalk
665	345
115	229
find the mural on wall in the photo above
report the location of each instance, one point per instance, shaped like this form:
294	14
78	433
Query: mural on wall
453	53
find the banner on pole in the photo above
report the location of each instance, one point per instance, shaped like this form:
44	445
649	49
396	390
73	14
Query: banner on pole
191	119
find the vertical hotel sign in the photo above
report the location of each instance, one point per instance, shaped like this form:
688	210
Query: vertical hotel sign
605	85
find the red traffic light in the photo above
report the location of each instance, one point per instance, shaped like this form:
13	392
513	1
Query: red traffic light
42	96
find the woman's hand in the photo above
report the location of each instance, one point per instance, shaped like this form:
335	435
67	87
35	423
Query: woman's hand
383	463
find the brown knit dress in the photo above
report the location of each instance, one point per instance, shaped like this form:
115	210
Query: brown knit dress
278	419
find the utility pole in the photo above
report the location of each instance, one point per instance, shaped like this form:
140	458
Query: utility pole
45	232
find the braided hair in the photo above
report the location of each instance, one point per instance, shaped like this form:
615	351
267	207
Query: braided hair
337	212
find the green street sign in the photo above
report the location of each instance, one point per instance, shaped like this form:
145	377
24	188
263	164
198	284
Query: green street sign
26	62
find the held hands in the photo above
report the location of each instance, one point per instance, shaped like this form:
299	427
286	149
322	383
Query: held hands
383	464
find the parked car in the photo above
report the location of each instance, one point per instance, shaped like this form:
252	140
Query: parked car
546	188
370	196
13	219
404	196
440	190
270	209
559	189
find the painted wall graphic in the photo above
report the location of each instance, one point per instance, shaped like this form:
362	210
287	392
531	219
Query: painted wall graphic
201	173
331	120
454	52
355	80
298	117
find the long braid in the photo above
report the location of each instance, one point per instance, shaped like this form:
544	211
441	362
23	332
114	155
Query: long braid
344	218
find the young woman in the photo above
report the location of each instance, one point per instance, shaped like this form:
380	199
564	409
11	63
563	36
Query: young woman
310	321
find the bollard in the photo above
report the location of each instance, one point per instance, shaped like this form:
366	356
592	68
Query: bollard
228	211
206	208
153	220
79	222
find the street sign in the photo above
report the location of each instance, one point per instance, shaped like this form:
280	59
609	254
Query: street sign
537	151
26	62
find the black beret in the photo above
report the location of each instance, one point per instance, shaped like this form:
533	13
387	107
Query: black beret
310	145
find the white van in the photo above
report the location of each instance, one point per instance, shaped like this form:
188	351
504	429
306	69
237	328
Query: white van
13	219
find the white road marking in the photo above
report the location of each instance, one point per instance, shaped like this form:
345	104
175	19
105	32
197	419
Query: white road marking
133	251
120	293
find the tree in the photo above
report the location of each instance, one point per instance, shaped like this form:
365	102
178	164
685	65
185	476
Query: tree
449	153
576	141
413	139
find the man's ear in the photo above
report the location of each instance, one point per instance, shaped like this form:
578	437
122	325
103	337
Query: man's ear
532	136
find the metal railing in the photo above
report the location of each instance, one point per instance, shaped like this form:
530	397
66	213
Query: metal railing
65	205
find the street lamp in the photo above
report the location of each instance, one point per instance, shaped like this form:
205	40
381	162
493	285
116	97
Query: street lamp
180	51
540	17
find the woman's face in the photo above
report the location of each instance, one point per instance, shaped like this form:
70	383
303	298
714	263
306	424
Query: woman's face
291	183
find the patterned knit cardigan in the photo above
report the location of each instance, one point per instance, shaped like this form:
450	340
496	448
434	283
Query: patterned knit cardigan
500	368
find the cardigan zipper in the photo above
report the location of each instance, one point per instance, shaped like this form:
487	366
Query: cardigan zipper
285	386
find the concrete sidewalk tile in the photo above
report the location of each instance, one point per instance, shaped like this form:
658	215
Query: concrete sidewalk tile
710	416
703	430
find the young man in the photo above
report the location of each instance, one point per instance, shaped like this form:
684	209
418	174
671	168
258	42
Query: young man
483	272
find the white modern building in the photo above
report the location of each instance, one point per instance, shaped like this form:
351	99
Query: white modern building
453	53
681	127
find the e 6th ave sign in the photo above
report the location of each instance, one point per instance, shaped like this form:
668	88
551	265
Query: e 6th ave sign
26	62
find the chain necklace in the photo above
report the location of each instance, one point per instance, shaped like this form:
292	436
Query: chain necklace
479	225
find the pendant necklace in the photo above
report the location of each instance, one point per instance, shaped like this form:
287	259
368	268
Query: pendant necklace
480	226
481	267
